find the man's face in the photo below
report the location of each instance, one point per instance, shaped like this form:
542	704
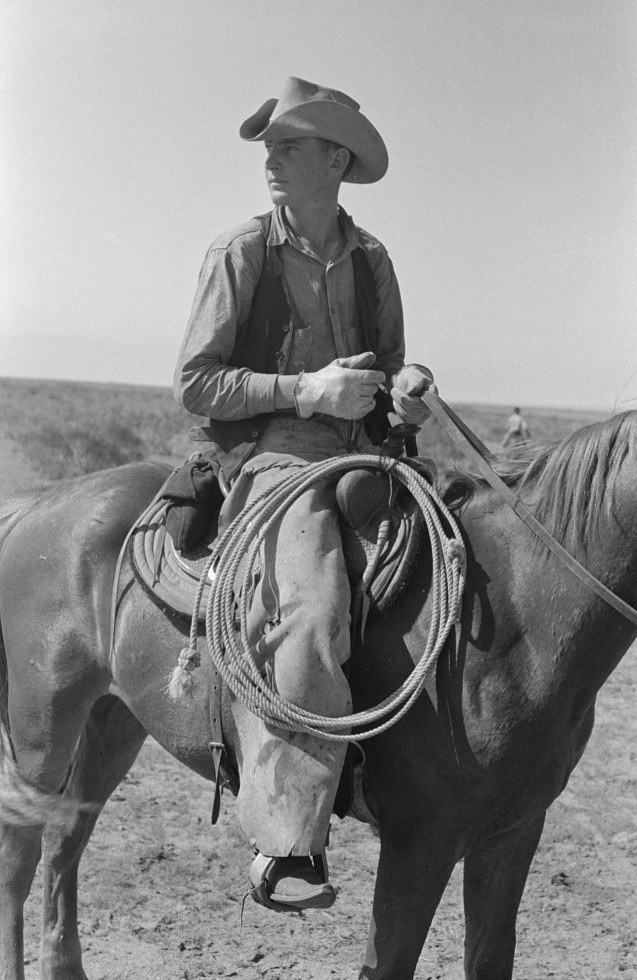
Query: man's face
298	170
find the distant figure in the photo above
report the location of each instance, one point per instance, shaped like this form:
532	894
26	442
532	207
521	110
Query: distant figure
517	430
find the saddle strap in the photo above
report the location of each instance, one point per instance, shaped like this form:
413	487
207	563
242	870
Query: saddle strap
217	749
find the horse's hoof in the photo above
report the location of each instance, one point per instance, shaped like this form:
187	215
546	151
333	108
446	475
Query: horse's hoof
289	884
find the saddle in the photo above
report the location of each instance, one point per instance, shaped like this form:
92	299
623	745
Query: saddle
381	529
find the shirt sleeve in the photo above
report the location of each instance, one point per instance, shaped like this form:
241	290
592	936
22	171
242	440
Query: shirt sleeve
204	382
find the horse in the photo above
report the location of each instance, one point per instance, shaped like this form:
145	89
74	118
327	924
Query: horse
467	773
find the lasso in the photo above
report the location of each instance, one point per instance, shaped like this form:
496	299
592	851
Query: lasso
229	647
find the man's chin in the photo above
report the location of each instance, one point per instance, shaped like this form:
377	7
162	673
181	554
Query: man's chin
278	195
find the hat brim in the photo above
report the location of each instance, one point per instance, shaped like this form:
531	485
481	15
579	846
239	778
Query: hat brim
325	120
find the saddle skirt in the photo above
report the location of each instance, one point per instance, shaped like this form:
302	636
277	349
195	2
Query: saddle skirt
379	551
170	578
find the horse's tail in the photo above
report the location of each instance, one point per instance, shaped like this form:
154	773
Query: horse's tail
9	517
12	510
23	803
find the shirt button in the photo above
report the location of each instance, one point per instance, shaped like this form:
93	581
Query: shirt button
286	328
255	434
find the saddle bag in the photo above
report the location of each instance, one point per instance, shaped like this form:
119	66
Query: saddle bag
194	499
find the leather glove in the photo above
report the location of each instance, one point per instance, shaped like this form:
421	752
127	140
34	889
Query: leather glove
408	386
345	388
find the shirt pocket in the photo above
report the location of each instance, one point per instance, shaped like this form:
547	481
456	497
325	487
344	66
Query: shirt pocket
353	339
302	353
351	329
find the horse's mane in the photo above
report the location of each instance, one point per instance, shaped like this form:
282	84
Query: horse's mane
568	483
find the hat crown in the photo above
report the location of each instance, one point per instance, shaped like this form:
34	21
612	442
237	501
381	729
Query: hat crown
305	110
297	91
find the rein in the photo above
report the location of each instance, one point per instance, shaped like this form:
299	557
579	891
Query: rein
472	447
243	538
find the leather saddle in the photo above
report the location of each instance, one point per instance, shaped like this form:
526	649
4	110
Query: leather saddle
381	527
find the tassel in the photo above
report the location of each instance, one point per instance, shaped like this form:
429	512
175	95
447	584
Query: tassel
181	683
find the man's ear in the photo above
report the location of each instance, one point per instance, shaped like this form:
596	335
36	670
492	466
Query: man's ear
340	161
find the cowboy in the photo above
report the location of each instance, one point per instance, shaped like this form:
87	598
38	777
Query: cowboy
295	333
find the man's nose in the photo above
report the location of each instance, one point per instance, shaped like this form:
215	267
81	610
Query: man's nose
272	160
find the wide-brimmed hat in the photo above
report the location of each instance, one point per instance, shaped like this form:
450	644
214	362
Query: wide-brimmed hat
305	109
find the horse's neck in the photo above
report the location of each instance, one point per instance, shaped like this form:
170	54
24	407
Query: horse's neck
612	558
575	636
605	633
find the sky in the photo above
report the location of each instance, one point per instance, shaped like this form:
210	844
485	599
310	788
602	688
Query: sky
509	208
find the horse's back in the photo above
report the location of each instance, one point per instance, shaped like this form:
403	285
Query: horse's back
109	497
59	550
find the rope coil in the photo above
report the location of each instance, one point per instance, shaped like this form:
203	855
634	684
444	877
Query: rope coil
229	646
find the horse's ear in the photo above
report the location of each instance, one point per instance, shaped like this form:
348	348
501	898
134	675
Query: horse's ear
455	488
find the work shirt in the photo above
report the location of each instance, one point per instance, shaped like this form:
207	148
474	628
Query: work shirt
324	319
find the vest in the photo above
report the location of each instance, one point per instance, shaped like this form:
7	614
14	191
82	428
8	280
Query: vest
259	348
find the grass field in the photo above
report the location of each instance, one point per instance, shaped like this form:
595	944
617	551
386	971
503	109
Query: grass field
55	429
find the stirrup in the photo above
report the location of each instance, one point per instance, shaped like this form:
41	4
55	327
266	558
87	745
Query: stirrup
263	884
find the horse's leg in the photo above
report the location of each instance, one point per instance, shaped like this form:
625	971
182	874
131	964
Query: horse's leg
413	872
19	855
107	748
42	757
495	874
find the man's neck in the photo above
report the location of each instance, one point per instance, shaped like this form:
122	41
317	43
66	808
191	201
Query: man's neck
318	227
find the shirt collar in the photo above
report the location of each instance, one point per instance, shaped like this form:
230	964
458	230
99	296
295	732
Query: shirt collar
280	233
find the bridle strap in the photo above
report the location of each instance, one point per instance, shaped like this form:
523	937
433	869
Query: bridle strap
478	453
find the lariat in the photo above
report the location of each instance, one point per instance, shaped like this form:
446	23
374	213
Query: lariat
226	622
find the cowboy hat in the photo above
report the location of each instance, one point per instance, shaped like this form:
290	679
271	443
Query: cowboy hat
305	109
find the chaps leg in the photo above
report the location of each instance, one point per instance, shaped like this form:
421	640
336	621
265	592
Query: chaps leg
495	874
108	747
299	631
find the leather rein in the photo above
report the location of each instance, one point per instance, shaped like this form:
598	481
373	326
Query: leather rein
478	453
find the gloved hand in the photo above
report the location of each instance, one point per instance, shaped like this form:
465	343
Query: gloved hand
345	388
407	389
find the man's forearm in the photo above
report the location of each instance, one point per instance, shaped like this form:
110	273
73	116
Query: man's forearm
225	393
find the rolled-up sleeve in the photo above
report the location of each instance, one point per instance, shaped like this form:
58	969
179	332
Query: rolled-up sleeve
205	383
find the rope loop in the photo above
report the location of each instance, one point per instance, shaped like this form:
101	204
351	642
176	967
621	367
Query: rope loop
229	647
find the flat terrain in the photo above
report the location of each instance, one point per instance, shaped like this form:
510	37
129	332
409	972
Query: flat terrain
161	890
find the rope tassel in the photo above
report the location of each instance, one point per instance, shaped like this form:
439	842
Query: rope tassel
181	682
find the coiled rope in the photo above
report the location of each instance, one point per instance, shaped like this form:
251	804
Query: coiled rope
229	646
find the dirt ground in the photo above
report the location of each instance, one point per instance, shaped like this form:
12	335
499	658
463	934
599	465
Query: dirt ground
161	889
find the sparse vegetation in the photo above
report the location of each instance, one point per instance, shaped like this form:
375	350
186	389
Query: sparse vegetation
65	428
78	449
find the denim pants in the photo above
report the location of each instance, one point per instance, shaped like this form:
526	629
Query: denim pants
298	628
